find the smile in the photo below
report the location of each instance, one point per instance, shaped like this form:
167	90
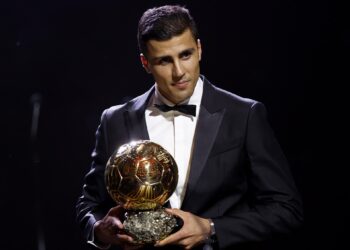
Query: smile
181	84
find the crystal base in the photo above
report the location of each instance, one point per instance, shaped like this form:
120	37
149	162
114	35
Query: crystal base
149	226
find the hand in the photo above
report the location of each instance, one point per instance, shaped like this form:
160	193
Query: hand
193	232
109	229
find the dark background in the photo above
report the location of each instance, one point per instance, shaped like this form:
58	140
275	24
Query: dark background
81	57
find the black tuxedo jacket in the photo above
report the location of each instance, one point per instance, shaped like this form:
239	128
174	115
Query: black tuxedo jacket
239	176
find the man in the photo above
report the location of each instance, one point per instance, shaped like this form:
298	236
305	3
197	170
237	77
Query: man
235	187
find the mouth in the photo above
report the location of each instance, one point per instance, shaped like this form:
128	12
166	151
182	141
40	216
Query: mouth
181	84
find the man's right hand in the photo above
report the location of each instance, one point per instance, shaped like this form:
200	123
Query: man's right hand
109	230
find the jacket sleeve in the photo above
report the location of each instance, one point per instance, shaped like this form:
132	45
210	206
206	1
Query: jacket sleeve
275	206
93	205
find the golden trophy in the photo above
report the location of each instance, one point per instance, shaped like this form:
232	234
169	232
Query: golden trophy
141	176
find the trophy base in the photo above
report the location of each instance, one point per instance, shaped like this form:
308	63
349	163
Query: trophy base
147	227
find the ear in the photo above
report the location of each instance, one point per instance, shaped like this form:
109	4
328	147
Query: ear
199	47
145	63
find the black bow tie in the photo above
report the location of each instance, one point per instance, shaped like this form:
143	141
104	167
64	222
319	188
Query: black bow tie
186	109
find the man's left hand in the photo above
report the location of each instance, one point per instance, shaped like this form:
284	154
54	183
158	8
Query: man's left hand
193	232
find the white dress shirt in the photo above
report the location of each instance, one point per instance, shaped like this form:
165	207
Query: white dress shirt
175	131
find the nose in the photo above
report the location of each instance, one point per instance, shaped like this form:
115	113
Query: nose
178	70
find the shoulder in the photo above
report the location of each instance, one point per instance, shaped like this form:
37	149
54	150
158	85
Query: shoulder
131	105
219	98
113	111
227	96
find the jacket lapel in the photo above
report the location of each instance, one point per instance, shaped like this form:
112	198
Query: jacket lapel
209	121
135	117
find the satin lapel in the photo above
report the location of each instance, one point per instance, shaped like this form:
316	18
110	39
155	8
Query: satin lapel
135	118
206	132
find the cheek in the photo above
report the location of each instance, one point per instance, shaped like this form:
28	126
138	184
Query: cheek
161	72
192	66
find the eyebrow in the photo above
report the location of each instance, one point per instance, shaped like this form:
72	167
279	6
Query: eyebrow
190	50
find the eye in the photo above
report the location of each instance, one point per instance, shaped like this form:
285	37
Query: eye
164	61
186	55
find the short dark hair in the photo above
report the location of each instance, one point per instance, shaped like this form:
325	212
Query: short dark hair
162	23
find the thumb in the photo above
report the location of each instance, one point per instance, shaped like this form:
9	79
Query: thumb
117	211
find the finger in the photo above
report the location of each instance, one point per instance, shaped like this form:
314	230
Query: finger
110	224
171	239
181	216
125	238
116	223
117	211
176	212
114	217
121	239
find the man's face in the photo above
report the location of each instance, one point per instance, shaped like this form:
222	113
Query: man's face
174	64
